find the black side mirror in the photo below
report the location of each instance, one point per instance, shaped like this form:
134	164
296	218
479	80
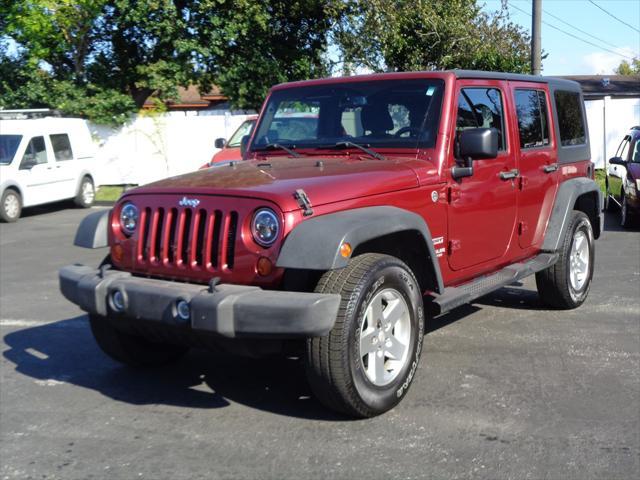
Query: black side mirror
243	145
617	161
220	143
474	144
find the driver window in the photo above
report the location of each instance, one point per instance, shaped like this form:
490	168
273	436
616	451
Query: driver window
35	154
481	108
623	149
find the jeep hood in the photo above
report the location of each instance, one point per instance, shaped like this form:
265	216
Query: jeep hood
325	180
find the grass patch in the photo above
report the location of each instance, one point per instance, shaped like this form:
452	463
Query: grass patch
109	193
600	176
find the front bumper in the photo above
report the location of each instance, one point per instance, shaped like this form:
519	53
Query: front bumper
228	310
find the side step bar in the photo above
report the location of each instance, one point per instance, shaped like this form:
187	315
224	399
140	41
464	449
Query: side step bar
453	297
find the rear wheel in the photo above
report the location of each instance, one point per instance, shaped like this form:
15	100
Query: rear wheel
365	365
566	284
10	206
86	193
131	349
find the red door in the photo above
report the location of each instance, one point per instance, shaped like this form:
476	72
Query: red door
483	208
537	163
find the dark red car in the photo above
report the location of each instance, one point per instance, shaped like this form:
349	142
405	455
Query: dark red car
623	179
230	151
390	199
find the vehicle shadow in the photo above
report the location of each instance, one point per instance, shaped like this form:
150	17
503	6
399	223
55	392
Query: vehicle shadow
47	208
612	223
65	351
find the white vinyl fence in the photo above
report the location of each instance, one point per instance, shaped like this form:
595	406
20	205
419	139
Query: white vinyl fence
609	121
153	147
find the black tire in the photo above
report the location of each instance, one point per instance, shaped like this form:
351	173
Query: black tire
626	220
132	350
83	200
554	284
335	368
10	206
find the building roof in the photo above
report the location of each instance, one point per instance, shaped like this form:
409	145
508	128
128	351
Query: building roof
191	98
599	86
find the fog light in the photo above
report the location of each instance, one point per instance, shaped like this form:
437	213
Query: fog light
117	301
264	266
183	311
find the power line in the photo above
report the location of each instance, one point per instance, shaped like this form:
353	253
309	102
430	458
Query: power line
580	30
613	16
574	36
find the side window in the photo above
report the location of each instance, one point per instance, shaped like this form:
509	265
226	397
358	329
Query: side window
533	125
623	148
570	120
481	108
61	146
35	154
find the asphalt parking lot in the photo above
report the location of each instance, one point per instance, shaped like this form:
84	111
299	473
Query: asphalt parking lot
506	389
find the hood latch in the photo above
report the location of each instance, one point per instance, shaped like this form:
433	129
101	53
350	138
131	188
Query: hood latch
303	201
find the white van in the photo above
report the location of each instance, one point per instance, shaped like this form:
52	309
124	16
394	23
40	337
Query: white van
44	160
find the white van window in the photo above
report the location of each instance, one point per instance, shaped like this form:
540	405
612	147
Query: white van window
8	146
61	146
35	154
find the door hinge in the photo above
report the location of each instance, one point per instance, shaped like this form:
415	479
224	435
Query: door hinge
453	246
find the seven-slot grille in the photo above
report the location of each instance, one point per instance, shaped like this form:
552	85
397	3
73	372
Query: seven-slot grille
190	238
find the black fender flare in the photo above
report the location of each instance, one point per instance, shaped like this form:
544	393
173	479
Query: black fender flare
568	192
315	243
93	230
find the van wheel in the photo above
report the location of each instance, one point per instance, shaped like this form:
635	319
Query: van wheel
86	193
625	217
130	349
565	284
365	365
10	206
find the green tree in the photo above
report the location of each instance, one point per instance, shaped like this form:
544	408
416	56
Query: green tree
105	58
629	68
397	35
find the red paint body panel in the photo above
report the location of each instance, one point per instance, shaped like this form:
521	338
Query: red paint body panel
485	222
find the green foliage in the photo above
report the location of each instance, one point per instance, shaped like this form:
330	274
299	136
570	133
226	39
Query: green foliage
626	68
404	35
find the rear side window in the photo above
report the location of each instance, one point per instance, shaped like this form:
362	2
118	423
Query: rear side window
533	123
570	120
481	108
61	146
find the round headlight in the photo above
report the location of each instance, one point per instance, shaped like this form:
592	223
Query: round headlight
265	227
129	218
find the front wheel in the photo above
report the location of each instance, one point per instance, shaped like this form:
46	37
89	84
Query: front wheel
566	284
625	216
130	349
10	206
365	365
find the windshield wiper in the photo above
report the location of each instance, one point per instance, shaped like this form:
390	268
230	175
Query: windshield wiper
277	146
364	148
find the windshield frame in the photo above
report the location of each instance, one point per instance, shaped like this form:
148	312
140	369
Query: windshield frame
235	143
12	155
431	119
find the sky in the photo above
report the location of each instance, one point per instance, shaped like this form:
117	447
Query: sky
570	56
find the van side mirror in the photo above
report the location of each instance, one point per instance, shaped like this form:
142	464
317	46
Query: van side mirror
474	144
243	145
220	143
617	161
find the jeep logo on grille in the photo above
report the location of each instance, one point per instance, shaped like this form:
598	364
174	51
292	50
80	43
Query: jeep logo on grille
189	202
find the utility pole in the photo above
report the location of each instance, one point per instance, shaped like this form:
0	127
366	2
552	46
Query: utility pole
536	20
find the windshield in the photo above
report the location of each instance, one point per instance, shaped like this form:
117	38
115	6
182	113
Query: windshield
8	146
635	158
244	129
379	114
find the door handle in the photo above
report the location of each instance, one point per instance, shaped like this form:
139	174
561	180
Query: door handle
552	167
510	175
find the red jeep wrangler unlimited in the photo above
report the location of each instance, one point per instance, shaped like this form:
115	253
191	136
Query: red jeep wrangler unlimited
394	196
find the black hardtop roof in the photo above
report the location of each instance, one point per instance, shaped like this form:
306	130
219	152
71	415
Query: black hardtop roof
517	77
